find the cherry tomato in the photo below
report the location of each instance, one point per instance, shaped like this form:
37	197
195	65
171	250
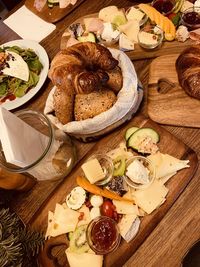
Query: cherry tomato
107	209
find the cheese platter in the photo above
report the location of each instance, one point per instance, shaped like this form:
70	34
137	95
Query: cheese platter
182	163
141	31
52	10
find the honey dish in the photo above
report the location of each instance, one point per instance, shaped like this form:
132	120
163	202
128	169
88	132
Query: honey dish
150	36
98	169
140	172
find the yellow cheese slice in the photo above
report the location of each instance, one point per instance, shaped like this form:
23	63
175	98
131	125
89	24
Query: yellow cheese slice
164	179
84	259
151	197
86	217
135	14
93	171
131	29
123	207
108	13
17	67
51	222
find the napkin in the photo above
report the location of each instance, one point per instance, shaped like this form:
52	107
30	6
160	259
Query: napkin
28	25
21	143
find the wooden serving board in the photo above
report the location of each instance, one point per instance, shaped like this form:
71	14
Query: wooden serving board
52	14
168	144
167	101
139	52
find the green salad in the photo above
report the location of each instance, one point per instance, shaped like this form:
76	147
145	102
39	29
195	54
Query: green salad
12	87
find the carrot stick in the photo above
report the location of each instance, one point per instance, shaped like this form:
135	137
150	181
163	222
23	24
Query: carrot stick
94	189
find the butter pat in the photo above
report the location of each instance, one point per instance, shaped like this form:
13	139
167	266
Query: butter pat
93	171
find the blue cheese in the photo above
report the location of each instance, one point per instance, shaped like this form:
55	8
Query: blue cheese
16	66
137	172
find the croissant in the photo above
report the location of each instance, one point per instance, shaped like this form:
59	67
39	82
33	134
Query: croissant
81	68
188	70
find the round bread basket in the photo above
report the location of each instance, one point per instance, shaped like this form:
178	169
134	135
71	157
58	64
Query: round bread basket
128	101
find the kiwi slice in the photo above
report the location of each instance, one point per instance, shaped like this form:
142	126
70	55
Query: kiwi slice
78	242
119	166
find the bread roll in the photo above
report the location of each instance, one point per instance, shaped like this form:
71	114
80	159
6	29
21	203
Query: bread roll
188	70
89	105
115	80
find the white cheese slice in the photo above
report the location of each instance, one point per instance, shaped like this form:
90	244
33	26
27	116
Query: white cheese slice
124	43
108	13
152	197
148	38
131	29
129	226
17	67
135	14
84	259
109	34
164	179
166	165
93	171
123	207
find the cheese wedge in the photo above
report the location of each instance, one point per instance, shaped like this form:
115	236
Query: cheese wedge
166	165
93	171
151	197
123	207
17	67
129	226
131	29
51	222
84	259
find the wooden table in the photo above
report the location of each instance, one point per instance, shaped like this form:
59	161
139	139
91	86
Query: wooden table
180	227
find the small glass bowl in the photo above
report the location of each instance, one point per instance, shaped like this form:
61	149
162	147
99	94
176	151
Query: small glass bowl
143	20
106	165
148	164
165	7
156	31
191	18
103	235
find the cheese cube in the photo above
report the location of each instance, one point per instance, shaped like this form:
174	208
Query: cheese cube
135	14
93	171
124	43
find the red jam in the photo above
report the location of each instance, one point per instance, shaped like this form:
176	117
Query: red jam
191	19
103	235
164	6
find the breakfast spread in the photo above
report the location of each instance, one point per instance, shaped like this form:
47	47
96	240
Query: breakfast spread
19	72
96	217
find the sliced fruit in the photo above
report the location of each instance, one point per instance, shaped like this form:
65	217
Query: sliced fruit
119	166
130	131
90	37
78	242
141	134
76	198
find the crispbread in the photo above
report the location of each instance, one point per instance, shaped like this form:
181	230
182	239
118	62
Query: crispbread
89	105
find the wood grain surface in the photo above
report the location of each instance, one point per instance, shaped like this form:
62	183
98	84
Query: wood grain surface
166	48
180	227
167	101
53	14
168	144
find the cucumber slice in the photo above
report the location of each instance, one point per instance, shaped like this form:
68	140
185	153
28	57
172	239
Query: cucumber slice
130	131
90	37
137	137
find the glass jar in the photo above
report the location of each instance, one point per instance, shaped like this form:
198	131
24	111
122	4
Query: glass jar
58	152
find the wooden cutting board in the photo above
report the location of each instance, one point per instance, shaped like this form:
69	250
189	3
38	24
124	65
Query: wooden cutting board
139	52
168	144
167	101
52	14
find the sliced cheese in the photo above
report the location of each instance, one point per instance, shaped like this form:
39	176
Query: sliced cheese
121	150
17	67
84	259
51	221
151	197
135	14
125	44
64	221
93	171
86	216
108	13
166	165
148	38
131	29
128	226
123	207
164	179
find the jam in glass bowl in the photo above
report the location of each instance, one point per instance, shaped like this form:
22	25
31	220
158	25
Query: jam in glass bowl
103	235
191	18
165	7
